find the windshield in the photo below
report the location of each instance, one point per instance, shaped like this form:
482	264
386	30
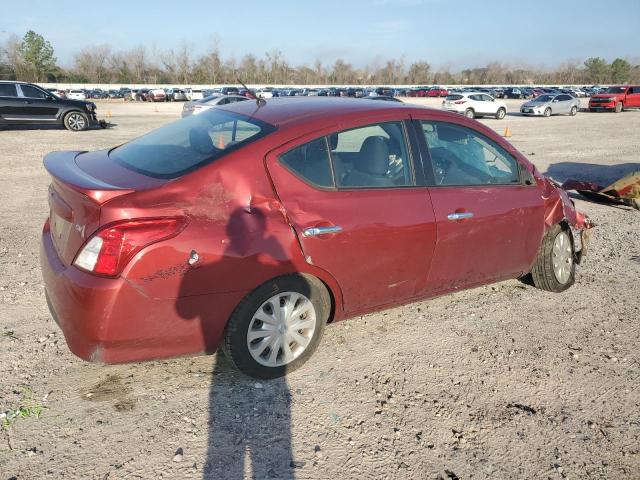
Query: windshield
615	90
544	98
185	145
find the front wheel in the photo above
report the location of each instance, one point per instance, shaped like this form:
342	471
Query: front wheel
554	268
547	112
469	113
501	113
76	121
277	327
619	107
574	111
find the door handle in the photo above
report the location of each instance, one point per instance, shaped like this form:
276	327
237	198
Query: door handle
315	231
459	216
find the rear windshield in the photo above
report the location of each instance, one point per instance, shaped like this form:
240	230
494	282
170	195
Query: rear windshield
185	145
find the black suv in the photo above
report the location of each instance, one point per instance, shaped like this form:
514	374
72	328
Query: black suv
25	103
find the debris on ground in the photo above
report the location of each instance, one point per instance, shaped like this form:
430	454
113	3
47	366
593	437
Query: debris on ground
625	191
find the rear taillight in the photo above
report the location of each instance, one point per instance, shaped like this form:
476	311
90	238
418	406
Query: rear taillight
112	247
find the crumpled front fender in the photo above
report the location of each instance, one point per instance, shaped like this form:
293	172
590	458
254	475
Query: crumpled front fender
560	208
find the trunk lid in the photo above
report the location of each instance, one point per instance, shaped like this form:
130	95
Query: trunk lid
76	195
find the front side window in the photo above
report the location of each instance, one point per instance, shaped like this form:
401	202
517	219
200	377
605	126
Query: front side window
185	145
32	92
462	156
372	156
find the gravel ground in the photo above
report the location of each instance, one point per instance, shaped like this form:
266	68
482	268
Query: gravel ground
503	381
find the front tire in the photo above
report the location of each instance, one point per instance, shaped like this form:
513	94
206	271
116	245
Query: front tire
76	121
277	327
469	113
574	111
619	107
501	113
547	112
554	268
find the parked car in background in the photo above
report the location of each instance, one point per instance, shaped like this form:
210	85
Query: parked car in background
616	98
76	95
551	104
176	95
194	94
204	104
156	95
513	93
142	95
248	229
437	92
26	103
230	91
57	92
475	104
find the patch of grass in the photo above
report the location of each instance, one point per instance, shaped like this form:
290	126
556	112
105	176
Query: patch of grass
29	407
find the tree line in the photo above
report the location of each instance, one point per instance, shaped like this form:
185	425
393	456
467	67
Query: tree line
32	58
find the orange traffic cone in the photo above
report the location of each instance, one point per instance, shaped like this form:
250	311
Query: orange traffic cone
507	132
220	142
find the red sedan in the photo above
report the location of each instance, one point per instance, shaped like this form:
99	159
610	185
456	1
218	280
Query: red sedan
249	227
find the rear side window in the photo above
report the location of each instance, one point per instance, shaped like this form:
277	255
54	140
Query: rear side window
185	145
311	162
462	156
452	98
8	90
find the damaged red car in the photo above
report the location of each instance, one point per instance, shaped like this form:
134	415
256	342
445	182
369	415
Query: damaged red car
251	226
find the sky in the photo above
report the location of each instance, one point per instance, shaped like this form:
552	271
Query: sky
446	34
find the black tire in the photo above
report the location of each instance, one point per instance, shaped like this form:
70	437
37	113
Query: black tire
542	273
547	112
469	113
234	343
619	107
76	121
592	110
501	113
574	111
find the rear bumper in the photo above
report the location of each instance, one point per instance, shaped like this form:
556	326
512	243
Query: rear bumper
108	320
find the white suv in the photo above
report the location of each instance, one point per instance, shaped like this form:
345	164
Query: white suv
475	104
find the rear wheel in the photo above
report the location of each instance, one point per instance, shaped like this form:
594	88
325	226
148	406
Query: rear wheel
469	113
501	113
619	107
547	112
574	111
554	268
76	121
278	326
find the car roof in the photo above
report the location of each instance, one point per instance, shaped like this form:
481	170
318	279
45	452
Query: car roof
282	111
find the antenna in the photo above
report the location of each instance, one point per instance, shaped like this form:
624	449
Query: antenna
261	102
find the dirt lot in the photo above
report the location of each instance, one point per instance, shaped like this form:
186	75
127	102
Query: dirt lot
503	381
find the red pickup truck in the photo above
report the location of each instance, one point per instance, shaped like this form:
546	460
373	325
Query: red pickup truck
616	98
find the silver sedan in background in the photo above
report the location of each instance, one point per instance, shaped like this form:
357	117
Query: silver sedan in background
551	104
199	106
